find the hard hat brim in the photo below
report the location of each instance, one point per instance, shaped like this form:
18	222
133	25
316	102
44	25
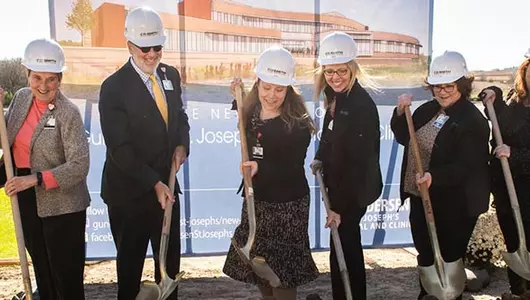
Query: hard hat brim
443	80
149	42
334	61
276	80
47	69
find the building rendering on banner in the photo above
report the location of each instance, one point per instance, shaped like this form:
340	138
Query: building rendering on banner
223	26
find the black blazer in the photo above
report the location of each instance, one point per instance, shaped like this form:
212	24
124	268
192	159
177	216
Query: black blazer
350	151
139	148
459	158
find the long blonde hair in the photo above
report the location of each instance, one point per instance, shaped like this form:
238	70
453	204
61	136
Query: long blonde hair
293	110
356	71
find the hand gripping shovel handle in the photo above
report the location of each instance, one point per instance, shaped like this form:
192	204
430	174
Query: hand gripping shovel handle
336	240
14	207
166	223
507	176
424	191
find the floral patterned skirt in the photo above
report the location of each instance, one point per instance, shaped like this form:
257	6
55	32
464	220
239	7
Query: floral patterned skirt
281	238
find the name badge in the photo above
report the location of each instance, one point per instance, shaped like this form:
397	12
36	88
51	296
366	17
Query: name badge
440	121
50	123
168	86
330	125
257	152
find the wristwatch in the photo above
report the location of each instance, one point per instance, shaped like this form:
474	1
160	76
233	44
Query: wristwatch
39	178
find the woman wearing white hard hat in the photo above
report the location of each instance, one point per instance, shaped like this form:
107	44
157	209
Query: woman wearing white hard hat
513	117
453	138
348	154
279	131
51	161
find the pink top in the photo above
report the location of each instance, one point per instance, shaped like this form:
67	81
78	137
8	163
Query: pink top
22	142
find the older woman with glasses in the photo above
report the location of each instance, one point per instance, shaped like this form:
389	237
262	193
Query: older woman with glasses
453	138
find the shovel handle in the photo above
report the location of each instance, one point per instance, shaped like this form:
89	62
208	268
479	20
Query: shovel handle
24	266
507	177
247	177
166	223
336	239
424	191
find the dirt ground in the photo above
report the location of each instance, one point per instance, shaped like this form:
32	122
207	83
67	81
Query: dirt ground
391	274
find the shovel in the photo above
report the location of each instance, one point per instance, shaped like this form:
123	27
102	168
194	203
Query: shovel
445	280
336	240
258	263
518	261
150	290
26	280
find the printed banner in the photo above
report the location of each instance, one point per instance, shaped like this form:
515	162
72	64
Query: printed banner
210	42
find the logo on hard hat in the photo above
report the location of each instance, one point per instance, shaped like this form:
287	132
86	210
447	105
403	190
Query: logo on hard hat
149	33
46	60
333	53
442	72
277	72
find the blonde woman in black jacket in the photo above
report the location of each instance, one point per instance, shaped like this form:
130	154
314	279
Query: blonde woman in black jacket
348	154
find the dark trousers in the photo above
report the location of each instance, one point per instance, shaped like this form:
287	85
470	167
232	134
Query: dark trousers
56	246
350	236
132	228
518	285
453	226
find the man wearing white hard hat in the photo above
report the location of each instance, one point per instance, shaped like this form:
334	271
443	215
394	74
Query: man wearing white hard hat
146	130
453	138
348	153
278	129
513	116
51	161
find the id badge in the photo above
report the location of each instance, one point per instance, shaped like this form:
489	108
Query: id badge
330	125
440	121
257	152
168	86
50	123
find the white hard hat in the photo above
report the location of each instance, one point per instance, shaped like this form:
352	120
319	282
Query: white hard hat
337	48
276	65
44	55
144	27
447	68
527	55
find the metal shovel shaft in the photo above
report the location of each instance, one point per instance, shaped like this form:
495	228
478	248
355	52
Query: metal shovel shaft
519	261
19	233
336	240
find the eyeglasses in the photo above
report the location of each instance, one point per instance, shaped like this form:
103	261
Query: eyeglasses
147	49
447	88
340	72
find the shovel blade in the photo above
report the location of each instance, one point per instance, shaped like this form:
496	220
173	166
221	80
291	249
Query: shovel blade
169	285
149	291
447	282
263	270
519	262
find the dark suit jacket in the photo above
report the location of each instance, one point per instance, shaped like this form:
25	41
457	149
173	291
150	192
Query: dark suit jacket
459	158
139	148
350	151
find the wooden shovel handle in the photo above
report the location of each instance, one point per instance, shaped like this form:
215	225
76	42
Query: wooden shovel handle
14	206
247	177
424	190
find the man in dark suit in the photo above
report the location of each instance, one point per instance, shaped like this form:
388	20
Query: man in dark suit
146	130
